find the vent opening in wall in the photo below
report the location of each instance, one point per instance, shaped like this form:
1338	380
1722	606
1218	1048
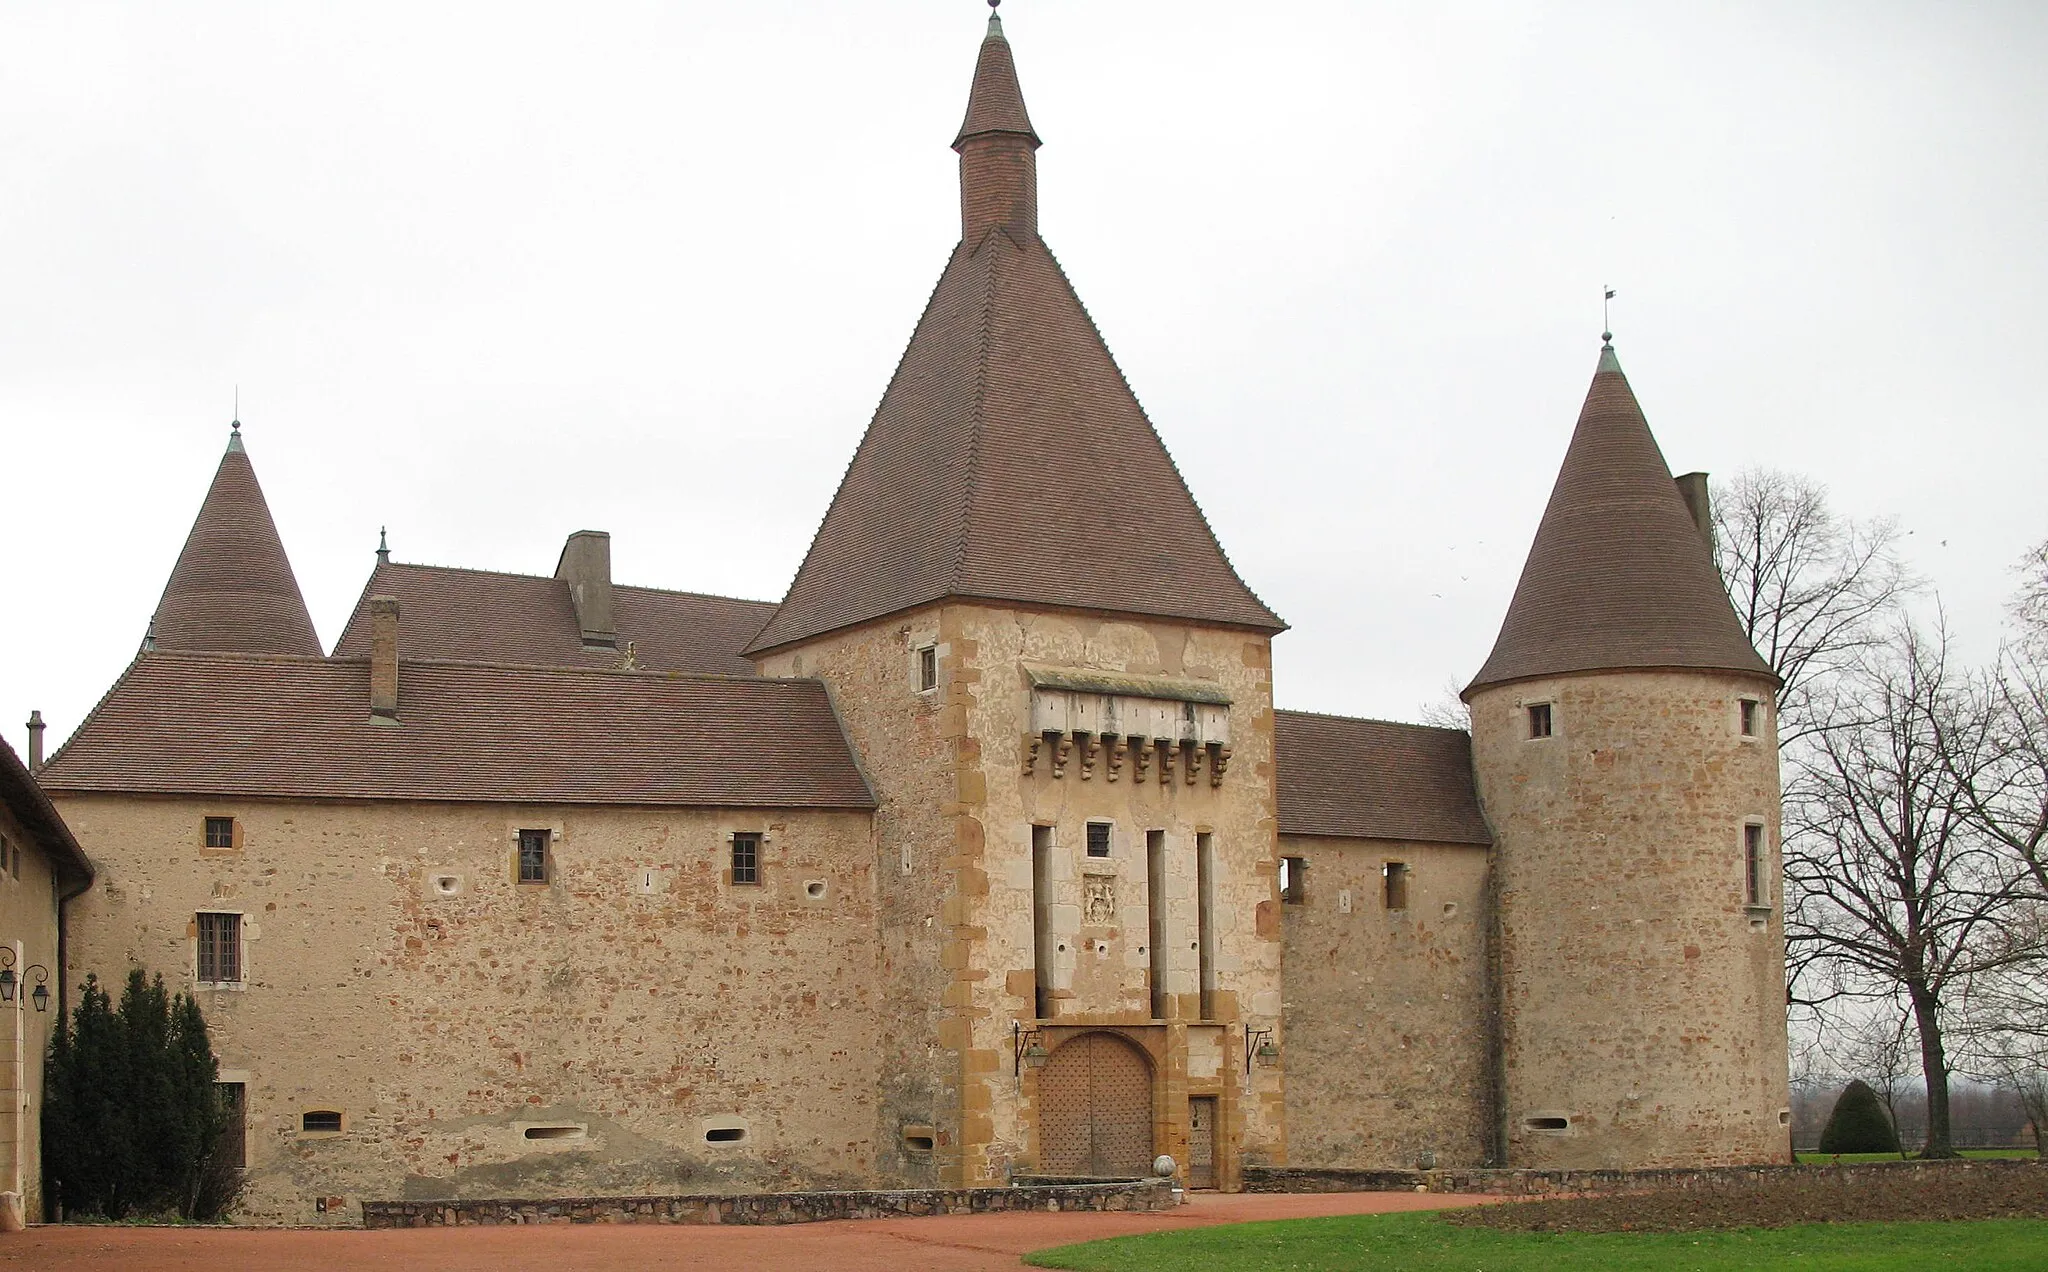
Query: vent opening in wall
447	885
1547	1123
918	1139
1784	1117
726	1135
815	889
554	1132
320	1121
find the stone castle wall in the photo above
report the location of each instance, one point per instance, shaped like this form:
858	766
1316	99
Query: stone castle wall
397	974
1643	1003
1387	1008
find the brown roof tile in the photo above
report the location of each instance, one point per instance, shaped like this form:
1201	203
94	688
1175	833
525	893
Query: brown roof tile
1619	575
232	589
481	616
1372	779
24	797
1009	459
299	728
995	103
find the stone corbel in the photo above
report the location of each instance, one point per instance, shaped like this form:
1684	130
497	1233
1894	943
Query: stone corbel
1091	747
1167	750
1032	742
1219	762
1062	750
1117	750
1141	755
1194	761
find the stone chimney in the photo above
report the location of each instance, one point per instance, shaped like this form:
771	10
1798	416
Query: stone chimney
35	741
1693	486
586	566
384	659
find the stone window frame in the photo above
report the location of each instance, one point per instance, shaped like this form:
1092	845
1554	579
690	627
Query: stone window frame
1293	879
206	826
728	838
8	865
241	930
1754	843
339	1129
550	836
240	1080
1108	852
923	646
1548	718
1750	709
1396	877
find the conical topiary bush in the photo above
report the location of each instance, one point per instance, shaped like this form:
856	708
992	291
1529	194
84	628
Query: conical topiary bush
1859	1124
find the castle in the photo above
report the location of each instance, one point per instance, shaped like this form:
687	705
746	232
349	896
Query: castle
982	855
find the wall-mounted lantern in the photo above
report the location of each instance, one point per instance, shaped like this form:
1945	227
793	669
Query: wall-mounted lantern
1027	1048
1259	1043
34	973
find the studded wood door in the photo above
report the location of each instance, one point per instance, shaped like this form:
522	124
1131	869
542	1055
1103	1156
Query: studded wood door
1202	1141
1095	1109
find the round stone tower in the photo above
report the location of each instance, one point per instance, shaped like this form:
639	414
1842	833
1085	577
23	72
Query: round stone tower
1625	743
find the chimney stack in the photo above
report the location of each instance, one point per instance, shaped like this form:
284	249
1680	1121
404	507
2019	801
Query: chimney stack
384	659
35	741
586	566
1693	487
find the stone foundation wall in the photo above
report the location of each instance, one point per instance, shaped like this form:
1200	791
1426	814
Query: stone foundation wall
772	1208
1530	1183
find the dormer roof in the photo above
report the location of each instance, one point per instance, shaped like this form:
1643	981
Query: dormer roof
1620	576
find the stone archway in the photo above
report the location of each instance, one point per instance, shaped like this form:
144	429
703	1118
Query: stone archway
1095	1109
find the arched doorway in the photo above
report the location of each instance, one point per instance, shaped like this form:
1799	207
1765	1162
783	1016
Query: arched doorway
1095	1109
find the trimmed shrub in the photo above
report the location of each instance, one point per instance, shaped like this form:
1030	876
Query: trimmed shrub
1859	1124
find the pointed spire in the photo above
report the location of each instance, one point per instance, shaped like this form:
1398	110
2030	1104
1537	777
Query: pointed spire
383	548
232	589
1009	460
1619	576
998	167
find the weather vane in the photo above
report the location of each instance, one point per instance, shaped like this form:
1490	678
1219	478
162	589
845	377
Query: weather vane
1606	327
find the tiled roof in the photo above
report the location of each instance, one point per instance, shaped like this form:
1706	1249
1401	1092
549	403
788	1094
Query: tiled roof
232	589
480	616
197	724
1009	460
1372	779
996	101
24	798
1620	575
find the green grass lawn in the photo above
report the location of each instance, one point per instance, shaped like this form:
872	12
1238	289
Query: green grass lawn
1987	1154
1425	1243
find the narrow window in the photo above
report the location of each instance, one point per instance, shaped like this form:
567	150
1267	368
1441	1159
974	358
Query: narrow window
220	948
232	1147
220	832
927	668
746	857
1098	839
320	1121
1752	712
1155	916
1753	864
1395	875
1539	719
1293	880
1205	920
533	856
725	1135
1041	920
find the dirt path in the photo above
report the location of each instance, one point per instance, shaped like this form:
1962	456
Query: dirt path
966	1243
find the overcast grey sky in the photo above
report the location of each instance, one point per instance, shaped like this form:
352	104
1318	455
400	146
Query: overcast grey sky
492	273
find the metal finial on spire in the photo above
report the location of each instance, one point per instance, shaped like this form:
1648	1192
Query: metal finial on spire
383	548
1606	326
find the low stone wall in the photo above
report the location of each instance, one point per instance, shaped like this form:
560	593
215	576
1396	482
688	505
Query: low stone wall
767	1208
1530	1183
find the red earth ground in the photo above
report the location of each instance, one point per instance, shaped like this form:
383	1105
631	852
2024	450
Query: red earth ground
967	1243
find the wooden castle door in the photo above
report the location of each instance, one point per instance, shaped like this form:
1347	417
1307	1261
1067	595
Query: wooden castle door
1202	1141
1095	1110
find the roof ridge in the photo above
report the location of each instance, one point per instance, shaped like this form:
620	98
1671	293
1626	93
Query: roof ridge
549	578
972	486
1172	464
651	673
1396	724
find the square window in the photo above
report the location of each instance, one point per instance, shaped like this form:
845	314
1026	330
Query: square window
1539	719
220	832
746	857
533	855
1098	839
927	668
1293	880
220	948
1752	716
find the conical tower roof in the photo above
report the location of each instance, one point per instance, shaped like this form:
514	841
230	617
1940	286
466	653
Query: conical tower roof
1009	460
232	590
1619	576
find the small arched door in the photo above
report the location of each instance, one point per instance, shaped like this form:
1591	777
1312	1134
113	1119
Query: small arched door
1095	1109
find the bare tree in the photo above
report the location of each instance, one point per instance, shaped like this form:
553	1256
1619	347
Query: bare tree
2005	1019
1813	590
1891	888
2030	606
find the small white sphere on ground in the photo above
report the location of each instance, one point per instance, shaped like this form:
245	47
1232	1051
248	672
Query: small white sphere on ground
1162	1166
